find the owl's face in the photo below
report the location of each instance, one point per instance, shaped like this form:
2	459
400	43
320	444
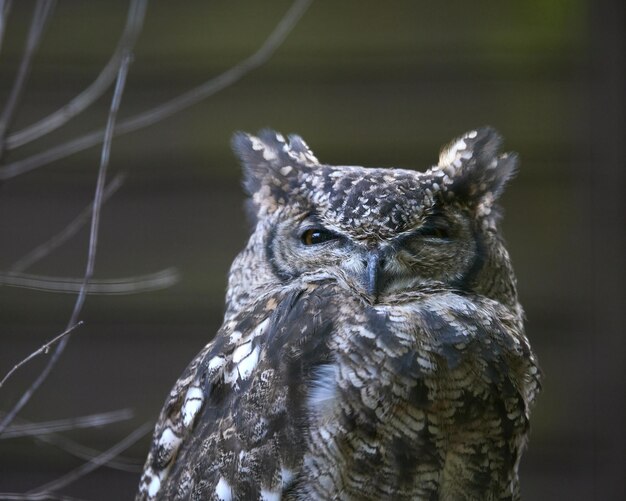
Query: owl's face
379	232
393	244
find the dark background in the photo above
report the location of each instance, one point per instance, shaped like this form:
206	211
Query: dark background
365	83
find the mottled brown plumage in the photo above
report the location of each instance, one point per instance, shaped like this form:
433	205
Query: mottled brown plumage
372	347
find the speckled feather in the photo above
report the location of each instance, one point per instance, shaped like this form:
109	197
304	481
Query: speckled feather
317	388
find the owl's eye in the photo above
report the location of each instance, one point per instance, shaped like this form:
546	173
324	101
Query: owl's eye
437	228
435	233
314	236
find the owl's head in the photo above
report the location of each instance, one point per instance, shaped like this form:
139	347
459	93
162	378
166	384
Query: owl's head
380	232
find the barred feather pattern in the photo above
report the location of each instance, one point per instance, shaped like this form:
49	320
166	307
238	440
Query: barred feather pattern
336	378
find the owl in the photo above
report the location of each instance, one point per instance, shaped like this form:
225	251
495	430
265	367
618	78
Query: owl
373	346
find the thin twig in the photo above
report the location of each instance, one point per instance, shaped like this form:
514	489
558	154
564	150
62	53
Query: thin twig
120	463
5	8
93	241
44	349
42	12
39	496
80	451
112	286
102	459
86	98
92	421
169	108
68	232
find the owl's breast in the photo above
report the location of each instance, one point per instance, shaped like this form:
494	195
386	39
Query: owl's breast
424	397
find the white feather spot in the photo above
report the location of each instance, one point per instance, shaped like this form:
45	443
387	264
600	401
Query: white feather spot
155	485
242	351
325	434
286	170
269	154
286	475
425	363
267	495
247	365
257	144
223	490
472	134
230	377
193	401
245	359
448	155
216	362
323	390
169	441
353	377
260	329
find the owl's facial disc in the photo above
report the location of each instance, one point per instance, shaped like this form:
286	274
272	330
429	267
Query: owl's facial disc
441	250
369	271
366	264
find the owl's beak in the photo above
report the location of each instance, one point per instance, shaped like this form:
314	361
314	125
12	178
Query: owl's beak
372	277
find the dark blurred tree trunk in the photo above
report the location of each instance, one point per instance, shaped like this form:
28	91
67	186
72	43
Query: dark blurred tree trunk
606	178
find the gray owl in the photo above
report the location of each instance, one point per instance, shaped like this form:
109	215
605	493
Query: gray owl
372	347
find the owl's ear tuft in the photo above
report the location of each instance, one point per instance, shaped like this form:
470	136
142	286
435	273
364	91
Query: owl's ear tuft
261	158
478	172
271	167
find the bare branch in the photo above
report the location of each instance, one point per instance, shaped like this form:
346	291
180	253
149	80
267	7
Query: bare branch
44	349
276	38
122	463
93	241
82	101
113	286
87	468
8	418
92	421
68	232
169	108
16	496
43	9
104	136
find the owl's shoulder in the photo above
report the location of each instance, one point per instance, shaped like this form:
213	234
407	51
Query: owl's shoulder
236	393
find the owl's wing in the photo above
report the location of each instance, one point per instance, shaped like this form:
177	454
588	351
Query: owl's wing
233	425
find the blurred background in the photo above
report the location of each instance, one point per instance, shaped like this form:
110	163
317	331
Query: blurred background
365	83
